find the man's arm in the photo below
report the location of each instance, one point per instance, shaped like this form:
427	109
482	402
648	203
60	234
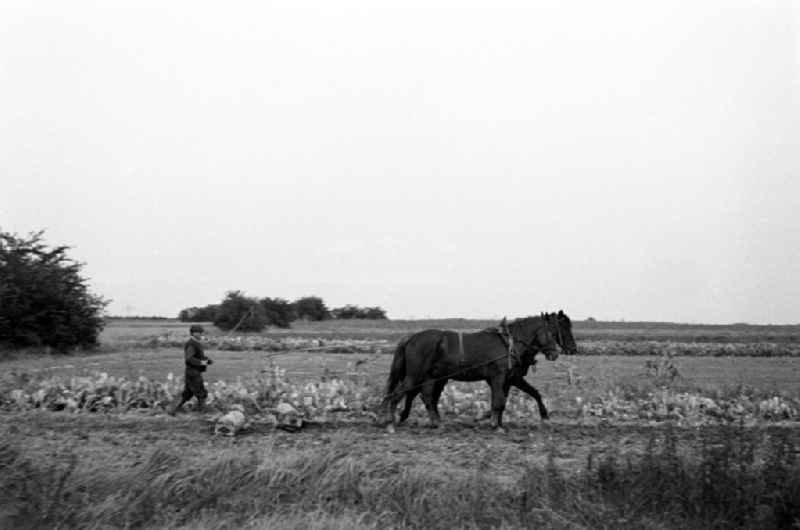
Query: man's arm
205	357
190	354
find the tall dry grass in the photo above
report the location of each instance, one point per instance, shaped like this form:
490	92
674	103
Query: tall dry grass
741	481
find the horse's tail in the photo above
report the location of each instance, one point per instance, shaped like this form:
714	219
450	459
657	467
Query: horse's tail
397	373
398	370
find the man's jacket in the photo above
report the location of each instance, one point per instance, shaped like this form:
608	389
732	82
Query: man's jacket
193	353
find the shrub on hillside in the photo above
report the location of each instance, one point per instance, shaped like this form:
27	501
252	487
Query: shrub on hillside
311	308
44	300
238	309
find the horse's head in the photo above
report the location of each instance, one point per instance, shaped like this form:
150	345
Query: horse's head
535	335
560	326
545	334
564	333
546	338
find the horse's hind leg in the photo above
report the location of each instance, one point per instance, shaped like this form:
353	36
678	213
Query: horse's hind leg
428	392
410	395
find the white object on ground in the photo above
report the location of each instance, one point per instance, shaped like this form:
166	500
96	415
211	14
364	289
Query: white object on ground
232	422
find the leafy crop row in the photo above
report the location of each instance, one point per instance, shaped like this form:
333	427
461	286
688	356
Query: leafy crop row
262	343
354	397
585	347
658	348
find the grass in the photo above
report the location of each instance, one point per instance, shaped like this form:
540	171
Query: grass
713	480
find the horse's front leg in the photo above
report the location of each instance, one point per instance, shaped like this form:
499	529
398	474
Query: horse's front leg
526	387
499	393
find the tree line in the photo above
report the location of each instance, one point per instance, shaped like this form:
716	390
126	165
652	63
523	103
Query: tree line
255	314
45	301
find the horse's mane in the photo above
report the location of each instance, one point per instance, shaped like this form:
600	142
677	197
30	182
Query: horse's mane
557	316
522	320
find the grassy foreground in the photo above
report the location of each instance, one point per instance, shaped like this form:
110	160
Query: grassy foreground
718	478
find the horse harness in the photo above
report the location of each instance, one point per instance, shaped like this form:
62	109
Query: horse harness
506	337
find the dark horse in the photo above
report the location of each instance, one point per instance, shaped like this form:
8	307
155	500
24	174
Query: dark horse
425	361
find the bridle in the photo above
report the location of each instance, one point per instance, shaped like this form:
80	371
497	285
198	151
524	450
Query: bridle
529	347
559	338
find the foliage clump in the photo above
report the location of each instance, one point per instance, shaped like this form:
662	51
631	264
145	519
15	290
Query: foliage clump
279	312
276	312
240	312
206	313
349	311
44	299
311	308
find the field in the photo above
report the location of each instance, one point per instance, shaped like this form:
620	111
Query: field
688	437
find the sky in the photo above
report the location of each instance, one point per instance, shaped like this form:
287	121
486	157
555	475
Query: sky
621	160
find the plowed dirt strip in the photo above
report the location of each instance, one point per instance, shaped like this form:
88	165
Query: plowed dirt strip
124	441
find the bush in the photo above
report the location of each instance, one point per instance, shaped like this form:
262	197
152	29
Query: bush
237	309
356	312
311	308
199	314
44	300
279	312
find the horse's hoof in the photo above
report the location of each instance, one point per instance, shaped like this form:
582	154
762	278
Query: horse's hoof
499	430
390	429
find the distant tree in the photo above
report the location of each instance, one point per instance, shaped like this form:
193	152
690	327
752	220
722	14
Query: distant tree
235	307
374	313
188	314
311	308
44	300
279	312
353	311
199	314
345	312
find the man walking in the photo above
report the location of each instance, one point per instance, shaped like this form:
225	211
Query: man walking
196	363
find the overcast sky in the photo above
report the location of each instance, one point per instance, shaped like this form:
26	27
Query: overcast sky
619	159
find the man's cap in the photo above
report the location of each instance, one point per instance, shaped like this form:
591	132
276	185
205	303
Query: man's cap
196	329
